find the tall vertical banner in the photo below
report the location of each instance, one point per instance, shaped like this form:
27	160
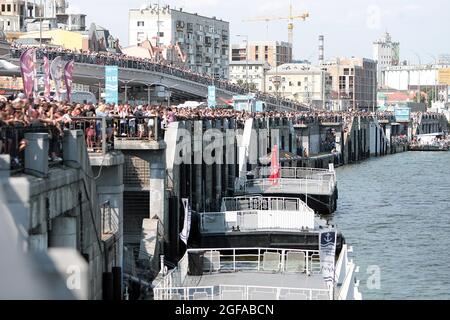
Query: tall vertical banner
57	72
184	235
112	84
211	96
47	86
68	78
275	173
327	252
28	70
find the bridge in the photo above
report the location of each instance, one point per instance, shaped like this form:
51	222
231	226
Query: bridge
184	85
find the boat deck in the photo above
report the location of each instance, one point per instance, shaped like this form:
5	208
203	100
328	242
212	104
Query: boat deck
258	279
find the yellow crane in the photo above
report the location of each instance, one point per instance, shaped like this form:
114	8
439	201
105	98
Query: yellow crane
290	18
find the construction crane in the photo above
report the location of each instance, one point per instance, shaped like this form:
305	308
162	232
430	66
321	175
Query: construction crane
290	18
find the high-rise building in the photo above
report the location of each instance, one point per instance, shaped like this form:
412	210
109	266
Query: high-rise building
275	53
386	53
18	15
353	82
200	43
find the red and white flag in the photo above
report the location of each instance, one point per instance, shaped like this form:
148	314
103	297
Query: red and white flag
275	174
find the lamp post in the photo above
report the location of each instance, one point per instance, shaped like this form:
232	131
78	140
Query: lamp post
246	58
126	88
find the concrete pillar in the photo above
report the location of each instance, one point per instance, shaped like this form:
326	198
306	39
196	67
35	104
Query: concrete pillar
38	242
218	182
63	233
226	126
208	179
157	191
198	163
71	150
36	154
5	166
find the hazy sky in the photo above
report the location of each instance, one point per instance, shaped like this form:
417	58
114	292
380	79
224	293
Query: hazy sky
349	26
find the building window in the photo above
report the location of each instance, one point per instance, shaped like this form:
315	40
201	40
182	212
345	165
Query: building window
299	84
140	36
256	56
3	8
140	23
266	57
8	8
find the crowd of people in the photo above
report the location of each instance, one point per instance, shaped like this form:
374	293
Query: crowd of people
162	66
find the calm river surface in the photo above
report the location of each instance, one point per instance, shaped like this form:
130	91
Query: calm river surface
395	212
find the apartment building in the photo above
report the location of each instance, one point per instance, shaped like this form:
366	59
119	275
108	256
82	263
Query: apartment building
200	43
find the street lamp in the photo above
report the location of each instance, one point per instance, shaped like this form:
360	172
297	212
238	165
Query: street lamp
246	57
162	85
126	88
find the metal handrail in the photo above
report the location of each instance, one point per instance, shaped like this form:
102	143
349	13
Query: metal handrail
309	185
235	258
295	221
262	203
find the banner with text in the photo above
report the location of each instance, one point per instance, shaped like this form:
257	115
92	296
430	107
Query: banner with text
184	235
327	253
57	72
28	70
211	96
68	78
112	84
47	84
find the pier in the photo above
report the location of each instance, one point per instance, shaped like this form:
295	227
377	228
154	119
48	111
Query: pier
119	202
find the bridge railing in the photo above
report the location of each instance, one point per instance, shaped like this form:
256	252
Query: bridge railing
132	63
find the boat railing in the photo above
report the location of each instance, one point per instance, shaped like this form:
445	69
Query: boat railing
296	173
256	220
287	185
245	203
219	260
235	292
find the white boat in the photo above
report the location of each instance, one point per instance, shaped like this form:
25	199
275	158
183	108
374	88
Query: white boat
254	272
238	258
257	274
430	142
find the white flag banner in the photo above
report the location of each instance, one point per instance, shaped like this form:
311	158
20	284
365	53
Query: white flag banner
327	252
184	235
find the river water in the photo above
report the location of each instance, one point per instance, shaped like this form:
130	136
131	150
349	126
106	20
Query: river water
395	212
